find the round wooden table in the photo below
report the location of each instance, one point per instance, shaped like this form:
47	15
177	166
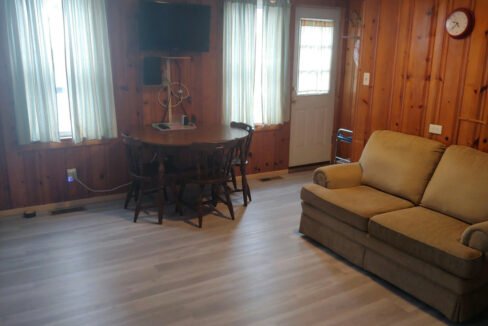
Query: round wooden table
173	139
171	145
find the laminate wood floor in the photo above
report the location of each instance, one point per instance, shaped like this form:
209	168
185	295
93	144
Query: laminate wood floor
98	268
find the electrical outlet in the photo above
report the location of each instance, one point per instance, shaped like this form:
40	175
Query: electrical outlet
435	129
71	175
366	77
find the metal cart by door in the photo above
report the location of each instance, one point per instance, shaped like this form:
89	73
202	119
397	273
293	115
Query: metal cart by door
343	136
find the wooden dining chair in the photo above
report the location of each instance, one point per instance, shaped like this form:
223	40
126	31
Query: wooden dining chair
212	164
241	161
145	177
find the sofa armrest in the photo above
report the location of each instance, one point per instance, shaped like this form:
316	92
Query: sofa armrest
476	236
338	176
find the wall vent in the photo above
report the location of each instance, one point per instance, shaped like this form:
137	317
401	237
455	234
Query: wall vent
67	210
270	178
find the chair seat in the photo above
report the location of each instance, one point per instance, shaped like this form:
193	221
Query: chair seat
212	164
353	206
244	153
197	180
151	172
237	162
150	169
430	236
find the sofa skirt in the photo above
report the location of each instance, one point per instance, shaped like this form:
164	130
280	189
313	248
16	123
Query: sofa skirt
457	299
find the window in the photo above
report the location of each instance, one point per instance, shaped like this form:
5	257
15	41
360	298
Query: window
258	82
61	70
316	38
256	61
56	29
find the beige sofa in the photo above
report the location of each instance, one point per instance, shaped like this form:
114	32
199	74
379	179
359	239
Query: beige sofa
413	213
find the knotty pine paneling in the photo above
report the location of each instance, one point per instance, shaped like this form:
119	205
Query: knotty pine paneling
362	108
472	114
4	185
419	75
202	74
35	174
269	149
351	38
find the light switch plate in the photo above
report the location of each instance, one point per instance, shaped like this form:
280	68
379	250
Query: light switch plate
366	76
435	129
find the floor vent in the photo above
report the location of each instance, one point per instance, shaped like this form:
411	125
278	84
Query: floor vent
67	210
270	178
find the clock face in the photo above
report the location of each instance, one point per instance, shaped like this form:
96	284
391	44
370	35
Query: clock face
459	23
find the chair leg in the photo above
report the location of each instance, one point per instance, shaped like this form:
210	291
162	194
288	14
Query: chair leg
138	203
160	200
214	195
129	194
176	196
228	201
200	206
245	186
165	193
233	176
179	199
248	189
137	187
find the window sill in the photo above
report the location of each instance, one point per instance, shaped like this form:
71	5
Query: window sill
64	143
261	127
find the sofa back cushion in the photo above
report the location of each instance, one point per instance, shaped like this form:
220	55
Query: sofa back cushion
400	164
459	186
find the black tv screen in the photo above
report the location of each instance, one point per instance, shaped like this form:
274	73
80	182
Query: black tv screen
174	27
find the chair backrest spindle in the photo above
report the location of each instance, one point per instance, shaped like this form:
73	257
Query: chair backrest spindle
134	152
214	160
246	143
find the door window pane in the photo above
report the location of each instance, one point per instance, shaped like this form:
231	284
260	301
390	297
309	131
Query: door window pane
315	56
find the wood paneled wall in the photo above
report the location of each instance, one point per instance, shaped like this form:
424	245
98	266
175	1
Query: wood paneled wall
419	75
201	74
36	174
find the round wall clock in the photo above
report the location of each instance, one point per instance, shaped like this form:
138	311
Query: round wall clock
460	23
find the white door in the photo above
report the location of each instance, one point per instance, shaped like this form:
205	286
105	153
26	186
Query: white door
313	88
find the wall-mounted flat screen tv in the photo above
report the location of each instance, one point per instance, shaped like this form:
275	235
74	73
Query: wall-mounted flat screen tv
174	27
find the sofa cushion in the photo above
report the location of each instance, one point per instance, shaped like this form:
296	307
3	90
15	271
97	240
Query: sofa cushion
430	236
353	206
459	186
400	164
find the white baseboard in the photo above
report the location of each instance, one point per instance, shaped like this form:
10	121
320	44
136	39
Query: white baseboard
267	174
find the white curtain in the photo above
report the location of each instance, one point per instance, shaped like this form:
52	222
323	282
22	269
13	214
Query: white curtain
34	87
256	61
239	60
89	72
274	78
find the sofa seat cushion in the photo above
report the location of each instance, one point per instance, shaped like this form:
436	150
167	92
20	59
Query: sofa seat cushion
430	236
353	206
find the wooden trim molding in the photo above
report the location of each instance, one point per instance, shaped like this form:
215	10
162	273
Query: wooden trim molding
64	143
61	205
